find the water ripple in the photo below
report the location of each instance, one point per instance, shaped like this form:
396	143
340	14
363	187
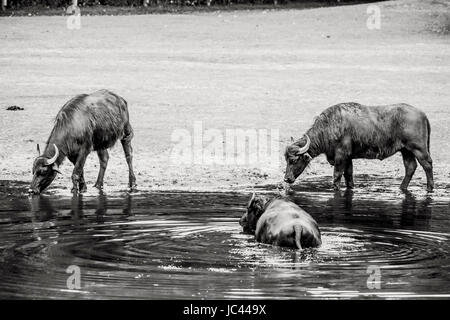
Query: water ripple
183	245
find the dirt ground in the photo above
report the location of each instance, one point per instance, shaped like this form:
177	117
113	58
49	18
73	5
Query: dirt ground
242	69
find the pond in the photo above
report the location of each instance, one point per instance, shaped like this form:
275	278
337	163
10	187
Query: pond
189	245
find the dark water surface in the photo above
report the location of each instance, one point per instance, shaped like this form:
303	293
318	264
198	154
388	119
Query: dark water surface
190	245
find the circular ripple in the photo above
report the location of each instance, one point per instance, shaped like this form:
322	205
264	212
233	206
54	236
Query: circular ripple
182	255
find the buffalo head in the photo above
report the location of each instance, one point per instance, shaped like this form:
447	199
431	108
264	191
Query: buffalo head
44	171
297	158
255	209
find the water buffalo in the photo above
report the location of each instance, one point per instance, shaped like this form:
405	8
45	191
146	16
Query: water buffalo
350	131
281	222
85	123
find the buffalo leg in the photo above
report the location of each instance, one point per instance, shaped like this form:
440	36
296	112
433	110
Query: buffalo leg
339	166
337	176
128	150
410	167
103	157
427	164
348	174
82	183
78	171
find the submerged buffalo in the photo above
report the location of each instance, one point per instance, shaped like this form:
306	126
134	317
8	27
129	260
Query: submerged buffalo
85	123
350	131
280	222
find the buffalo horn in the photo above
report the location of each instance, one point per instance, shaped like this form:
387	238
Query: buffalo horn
304	149
53	159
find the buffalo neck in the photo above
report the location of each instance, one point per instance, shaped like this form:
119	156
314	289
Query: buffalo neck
315	148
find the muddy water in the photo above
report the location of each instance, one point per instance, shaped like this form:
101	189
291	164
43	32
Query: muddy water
190	245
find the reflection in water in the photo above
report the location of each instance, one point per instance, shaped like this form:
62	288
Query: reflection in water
42	208
76	208
190	245
128	205
414	211
403	211
342	202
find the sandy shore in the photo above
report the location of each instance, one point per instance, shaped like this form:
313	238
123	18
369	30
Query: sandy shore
250	70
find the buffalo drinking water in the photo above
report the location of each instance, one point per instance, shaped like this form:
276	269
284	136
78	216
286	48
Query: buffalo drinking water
350	131
85	123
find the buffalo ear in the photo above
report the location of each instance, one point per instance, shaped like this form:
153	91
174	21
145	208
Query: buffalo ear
259	205
38	149
250	203
308	156
292	139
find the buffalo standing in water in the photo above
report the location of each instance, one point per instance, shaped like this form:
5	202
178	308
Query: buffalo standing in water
85	123
350	131
280	222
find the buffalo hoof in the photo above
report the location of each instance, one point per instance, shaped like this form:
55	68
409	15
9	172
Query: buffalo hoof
74	191
98	186
348	192
132	185
336	188
430	190
83	189
404	189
